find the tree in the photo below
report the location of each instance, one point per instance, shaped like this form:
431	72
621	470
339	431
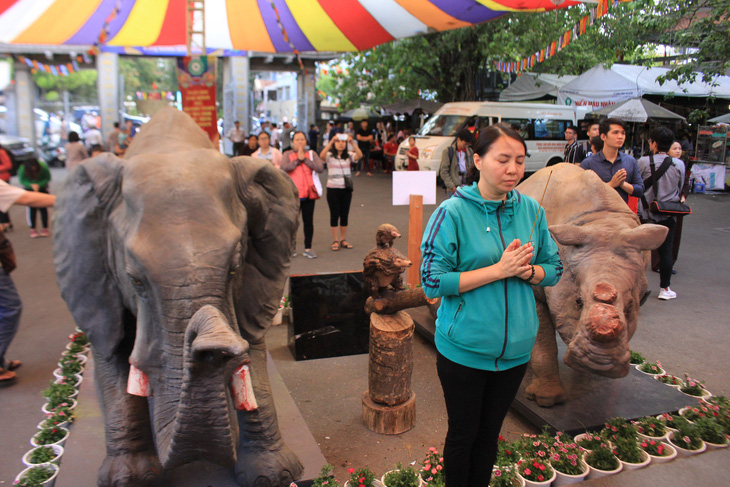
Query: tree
145	73
80	83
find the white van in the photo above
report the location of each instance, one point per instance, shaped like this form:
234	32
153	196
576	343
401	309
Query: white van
541	125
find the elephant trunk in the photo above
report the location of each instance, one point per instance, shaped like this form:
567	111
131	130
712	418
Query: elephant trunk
212	352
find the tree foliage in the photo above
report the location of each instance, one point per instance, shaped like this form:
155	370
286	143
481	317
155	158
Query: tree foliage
447	65
141	72
81	83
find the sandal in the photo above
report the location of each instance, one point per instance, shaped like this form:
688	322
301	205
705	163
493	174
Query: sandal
345	244
335	245
7	378
13	364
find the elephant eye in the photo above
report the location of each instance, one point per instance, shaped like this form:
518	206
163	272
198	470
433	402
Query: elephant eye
135	282
579	302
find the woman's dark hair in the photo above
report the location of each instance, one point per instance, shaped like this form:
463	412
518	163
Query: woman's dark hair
336	154
73	137
298	132
486	138
32	169
597	142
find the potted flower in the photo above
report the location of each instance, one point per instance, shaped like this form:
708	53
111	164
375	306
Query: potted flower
59	392
402	477
693	388
325	478
49	436
618	428
43	454
602	462
79	338
588	441
506	453
39	475
631	456
75	348
432	468
692	414
68	367
687	440
651	428
536	446
651	368
720	401
362	477
566	459
672	421
711	433
670	380
536	472
58	416
636	358
505	477
659	451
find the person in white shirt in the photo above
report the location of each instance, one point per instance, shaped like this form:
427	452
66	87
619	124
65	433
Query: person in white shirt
238	137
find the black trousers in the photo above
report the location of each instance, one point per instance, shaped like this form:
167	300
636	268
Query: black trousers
666	257
306	207
238	148
32	212
339	199
477	402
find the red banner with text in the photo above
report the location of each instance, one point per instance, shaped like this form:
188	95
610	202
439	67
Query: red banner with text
196	77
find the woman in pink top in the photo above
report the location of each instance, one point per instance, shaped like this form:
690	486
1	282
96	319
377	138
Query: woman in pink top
75	151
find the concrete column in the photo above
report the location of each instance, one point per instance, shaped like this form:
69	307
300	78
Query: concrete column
107	83
306	101
236	90
24	103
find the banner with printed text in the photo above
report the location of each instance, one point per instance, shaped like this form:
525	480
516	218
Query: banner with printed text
196	78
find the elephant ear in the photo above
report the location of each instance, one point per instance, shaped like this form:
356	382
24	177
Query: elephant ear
272	206
81	249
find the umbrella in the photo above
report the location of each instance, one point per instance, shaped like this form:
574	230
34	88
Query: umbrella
411	105
361	113
721	119
637	110
158	27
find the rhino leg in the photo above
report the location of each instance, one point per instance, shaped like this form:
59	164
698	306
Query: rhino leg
264	460
545	387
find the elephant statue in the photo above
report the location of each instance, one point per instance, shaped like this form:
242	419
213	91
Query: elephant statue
173	260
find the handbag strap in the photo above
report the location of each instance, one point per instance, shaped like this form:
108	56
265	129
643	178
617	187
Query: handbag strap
656	174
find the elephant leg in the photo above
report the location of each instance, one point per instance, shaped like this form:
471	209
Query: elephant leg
131	457
264	460
545	387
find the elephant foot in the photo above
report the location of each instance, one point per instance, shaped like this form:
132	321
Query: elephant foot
267	468
545	393
141	469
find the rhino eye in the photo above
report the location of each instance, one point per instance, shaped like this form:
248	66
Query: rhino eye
579	302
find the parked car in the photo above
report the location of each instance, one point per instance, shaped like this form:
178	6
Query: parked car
19	149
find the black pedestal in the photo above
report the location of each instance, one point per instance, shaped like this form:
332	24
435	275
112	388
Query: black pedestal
328	316
592	399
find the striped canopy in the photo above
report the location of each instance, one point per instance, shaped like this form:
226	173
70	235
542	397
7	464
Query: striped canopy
159	27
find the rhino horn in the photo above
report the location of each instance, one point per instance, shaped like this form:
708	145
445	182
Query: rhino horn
605	293
604	323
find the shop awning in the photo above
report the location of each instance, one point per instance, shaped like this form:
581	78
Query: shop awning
159	27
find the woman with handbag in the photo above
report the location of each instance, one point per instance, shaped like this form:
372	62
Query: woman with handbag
339	185
303	167
663	185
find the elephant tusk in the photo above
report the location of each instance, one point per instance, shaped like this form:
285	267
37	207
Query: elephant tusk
242	390
138	383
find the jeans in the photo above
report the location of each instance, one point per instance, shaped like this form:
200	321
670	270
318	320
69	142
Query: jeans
306	207
10	309
32	212
666	258
477	402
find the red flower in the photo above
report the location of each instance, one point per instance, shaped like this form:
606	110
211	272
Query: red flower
540	478
351	470
528	471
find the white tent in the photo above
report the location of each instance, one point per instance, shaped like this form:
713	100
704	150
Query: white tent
598	87
646	79
721	119
532	86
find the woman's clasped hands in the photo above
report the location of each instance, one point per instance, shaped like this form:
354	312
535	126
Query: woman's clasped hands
515	260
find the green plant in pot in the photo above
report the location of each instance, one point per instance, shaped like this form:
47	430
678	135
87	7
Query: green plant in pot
36	476
402	477
325	478
74	348
590	441
636	358
627	450
602	458
432	468
651	367
535	469
673	421
503	477
650	426
693	387
506	453
58	393
79	338
654	448
361	477
711	431
670	380
49	436
70	366
59	414
687	436
42	454
565	458
618	428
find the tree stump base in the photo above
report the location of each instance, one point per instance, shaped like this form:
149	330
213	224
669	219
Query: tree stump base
389	420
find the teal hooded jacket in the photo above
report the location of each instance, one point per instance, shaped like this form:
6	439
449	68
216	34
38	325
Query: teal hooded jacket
492	327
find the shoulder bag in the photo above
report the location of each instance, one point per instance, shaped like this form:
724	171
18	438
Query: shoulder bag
662	207
7	255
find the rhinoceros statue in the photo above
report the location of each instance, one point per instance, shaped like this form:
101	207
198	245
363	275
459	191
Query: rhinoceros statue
595	306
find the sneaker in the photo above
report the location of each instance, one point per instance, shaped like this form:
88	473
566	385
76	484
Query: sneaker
34	233
309	254
45	233
294	254
666	294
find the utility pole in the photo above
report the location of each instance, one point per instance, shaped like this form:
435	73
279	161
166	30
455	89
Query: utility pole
195	22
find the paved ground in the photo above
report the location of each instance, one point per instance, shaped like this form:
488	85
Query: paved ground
688	335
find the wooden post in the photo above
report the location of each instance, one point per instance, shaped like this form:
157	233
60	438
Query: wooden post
415	233
389	406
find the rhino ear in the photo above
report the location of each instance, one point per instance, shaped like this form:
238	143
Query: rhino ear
80	250
645	237
569	234
272	207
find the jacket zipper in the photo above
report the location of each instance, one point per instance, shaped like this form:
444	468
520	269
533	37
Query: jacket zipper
506	301
456	315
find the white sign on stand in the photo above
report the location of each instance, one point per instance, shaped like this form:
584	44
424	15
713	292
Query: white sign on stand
407	183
